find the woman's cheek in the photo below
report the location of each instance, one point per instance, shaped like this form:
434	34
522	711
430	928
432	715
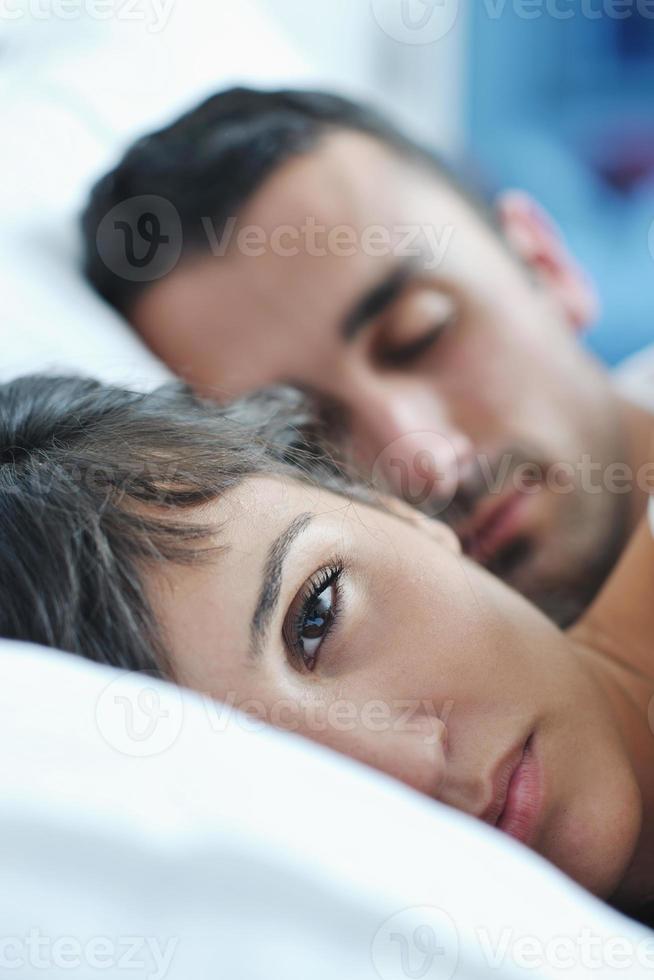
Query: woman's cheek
396	739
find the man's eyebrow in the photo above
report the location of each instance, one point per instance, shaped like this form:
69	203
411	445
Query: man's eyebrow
272	580
376	300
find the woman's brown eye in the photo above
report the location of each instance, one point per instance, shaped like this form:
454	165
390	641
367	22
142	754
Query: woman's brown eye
316	624
312	622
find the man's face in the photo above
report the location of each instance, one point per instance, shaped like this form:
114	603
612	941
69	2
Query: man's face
374	284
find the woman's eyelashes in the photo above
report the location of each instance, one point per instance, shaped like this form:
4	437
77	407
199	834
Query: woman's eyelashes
312	615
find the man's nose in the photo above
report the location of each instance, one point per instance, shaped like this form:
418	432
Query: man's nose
407	443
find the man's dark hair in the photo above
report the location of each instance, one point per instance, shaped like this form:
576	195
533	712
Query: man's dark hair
209	162
98	485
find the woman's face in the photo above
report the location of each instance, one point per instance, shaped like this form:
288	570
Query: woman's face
369	632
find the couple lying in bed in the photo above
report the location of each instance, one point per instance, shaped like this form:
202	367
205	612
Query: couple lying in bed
221	547
161	533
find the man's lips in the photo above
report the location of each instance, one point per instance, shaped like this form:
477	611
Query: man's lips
517	794
495	524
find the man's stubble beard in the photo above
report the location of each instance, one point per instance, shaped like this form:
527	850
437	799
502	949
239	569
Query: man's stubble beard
565	589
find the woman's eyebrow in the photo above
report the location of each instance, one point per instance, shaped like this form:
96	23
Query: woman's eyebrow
272	581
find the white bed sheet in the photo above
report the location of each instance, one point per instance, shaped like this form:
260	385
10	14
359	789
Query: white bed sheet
133	813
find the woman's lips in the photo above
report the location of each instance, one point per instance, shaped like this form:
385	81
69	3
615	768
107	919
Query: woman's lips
517	803
519	818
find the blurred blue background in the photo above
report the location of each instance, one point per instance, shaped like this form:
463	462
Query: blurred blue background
564	108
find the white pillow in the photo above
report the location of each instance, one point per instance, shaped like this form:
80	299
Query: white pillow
73	94
135	817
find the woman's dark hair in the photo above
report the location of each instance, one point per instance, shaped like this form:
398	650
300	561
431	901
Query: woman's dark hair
205	166
96	486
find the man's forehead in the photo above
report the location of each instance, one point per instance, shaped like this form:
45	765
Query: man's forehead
320	235
347	176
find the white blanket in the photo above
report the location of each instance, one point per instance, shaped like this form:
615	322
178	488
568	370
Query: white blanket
143	826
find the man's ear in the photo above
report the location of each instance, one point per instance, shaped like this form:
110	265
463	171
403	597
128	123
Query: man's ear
536	239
